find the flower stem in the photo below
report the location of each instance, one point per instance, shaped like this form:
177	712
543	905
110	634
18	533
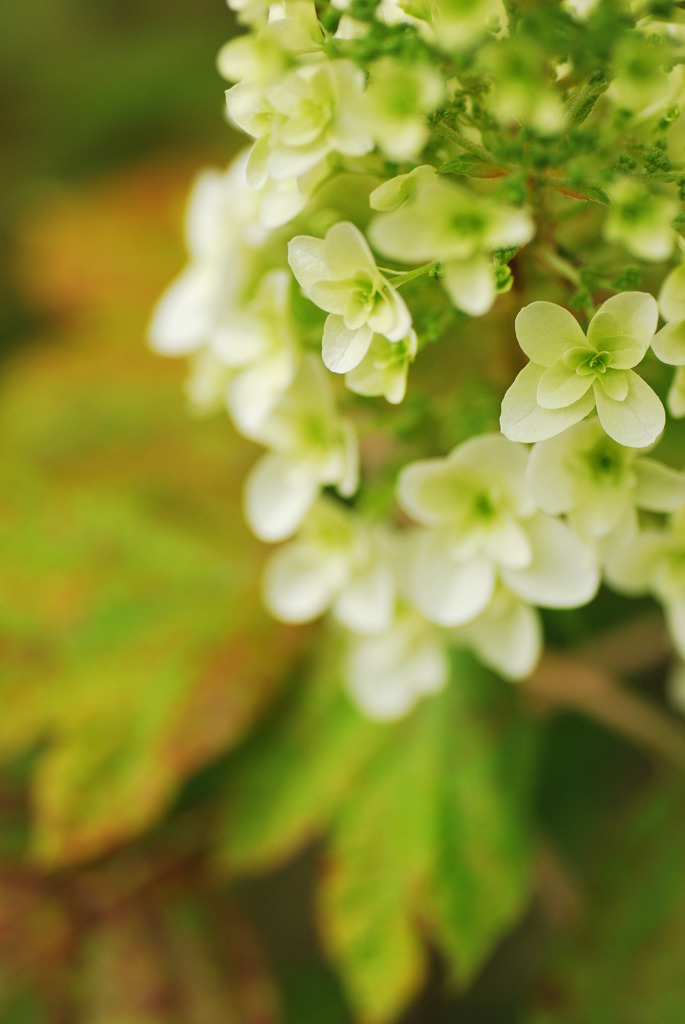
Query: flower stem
432	269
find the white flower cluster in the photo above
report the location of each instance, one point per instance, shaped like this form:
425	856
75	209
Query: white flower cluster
284	310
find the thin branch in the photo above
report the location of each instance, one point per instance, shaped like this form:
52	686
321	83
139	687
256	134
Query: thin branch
575	683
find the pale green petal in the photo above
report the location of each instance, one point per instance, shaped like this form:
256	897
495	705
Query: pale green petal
602	510
669	343
635	315
672	295
508	545
629	567
344	349
470	285
277	497
446	591
307	262
346	250
182	319
676	394
523	419
507	636
427	491
560	387
563	572
367	603
300	583
604	335
502	461
614	383
553	485
658	488
635	422
545	331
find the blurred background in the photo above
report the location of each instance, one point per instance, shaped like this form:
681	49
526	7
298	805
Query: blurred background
134	659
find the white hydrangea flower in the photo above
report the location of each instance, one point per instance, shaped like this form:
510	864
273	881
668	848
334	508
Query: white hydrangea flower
257	345
599	483
640	221
570	373
336	562
310	447
669	342
388	673
397	98
654	563
482	525
430	218
224	244
291	32
250	12
339	274
299	118
506	636
383	370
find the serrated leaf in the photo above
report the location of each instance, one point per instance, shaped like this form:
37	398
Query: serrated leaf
435	841
288	781
588	193
471	166
134	646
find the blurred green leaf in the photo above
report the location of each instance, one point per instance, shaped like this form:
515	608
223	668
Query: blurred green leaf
135	649
427	821
625	963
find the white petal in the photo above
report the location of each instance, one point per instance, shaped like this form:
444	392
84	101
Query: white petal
347	251
669	344
277	496
672	295
183	318
563	572
559	387
366	605
635	422
307	262
523	419
300	584
343	349
385	675
502	460
470	285
658	488
447	591
630	567
636	315
507	637
545	331
253	394
552	484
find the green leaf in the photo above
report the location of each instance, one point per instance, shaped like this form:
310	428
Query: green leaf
435	840
626	963
134	648
292	775
471	166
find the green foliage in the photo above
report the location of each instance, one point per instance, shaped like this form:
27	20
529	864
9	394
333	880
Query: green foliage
428	824
625	963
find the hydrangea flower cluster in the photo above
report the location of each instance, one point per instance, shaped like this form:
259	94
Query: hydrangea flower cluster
434	193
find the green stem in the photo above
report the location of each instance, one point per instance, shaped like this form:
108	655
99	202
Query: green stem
431	269
453	135
561	266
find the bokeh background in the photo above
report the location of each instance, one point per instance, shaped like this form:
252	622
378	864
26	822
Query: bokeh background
134	659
